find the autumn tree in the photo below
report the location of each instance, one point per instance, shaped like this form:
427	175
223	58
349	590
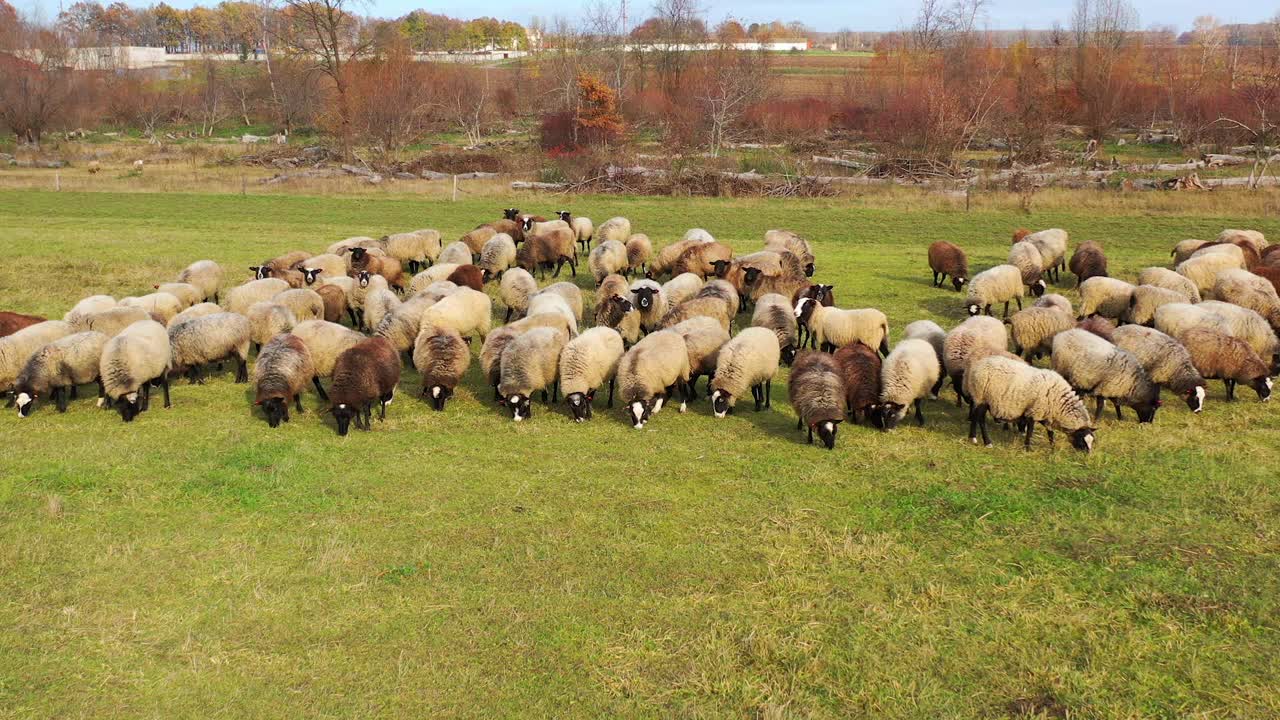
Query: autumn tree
329	32
598	121
34	94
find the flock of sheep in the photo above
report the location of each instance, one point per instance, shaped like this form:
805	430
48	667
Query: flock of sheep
409	295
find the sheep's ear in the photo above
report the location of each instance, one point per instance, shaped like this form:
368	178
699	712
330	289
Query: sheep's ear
255	268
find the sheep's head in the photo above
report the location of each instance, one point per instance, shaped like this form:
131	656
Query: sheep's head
826	431
809	269
1147	410
260	271
276	409
875	415
1082	439
974	309
358	254
1195	398
644	297
563	215
129	406
510	213
721	403
311	275
362	278
342	415
520	407
720	267
1037	288
1262	386
526	224
439	395
958	282
580	404
804	310
750	275
788	354
25	401
891	414
639	410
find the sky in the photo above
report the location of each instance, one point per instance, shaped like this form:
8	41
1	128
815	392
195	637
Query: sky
823	15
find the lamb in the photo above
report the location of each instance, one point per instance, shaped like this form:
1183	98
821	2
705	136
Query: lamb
326	341
908	375
932	333
1248	326
240	298
785	240
647	297
1033	330
186	293
77	315
1098	325
1088	261
204	274
832	328
1218	356
703	338
639	250
860	368
586	362
380	303
1203	270
458	253
433	274
11	322
162	305
195	311
415	249
1252	238
366	372
976	336
1170	280
946	260
466	310
496	256
1105	296
320	267
113	321
617	312
469	276
57	368
707	306
748	360
267	320
704	259
17	348
681	287
608	257
530	362
1013	391
571	294
130	362
1146	300
1054	300
303	303
723	289
1166	361
335	302
999	284
1183	250
648	373
1026	258
208	339
773	311
1094	366
515	290
280	375
441	358
817	393
1052	245
615	228
363	259
582	228
541	252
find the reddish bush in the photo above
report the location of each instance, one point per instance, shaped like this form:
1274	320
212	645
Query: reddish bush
790	116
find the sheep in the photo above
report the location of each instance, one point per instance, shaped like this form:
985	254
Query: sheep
1052	245
242	297
57	368
112	321
287	261
681	287
746	271
614	284
363	373
1033	330
552	303
785	240
773	311
541	252
433	274
1012	391
1182	251
817	392
723	289
998	284
352	242
469	276
320	267
466	310
530	362
582	228
617	312
378	304
711	307
335	302
1098	325
436	291
535	225
303	303
208	339
1094	366
908	375
1105	296
606	258
615	228
1170	280
649	371
204	274
1054	300
1248	326
667	256
186	293
639	250
1251	291
945	260
280	374
1146	300
1270	274
516	288
1218	356
1088	261
441	358
932	333
571	294
1203	270
457	253
1229	249
267	320
491	352
415	249
11	322
510	226
497	255
17	348
1166	361
703	338
821	293
704	259
976	336
389	268
401	325
326	341
748	360
832	327
77	315
195	311
586	362
366	284
1176	318
698	235
348	287
860	368
161	305
647	297
787	283
1026	257
130	362
1252	238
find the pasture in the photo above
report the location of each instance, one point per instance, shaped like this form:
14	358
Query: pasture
457	564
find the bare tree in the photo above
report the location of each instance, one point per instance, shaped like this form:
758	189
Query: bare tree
733	80
329	32
467	102
35	93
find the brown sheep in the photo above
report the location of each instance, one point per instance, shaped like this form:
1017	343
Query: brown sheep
947	259
1270	273
860	367
364	373
1099	326
704	259
387	267
335	302
820	293
468	275
1088	261
11	322
540	252
1020	234
1218	356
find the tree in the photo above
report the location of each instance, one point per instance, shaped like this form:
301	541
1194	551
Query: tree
35	95
467	102
328	31
598	121
730	82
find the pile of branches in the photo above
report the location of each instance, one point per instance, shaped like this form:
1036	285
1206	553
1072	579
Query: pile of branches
699	182
284	157
452	164
915	169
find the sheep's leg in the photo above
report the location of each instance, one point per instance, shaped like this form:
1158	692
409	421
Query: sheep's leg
1097	412
559	264
315	380
351	313
146	397
956	381
164	383
1117	404
935	278
611	382
102	391
297	400
987	310
215	298
799	423
507	319
242	371
544	395
555	391
810	435
573	267
1048	431
1031	428
60	397
1019	300
937	387
1231	389
75	392
1006	308
768	393
756	392
919	412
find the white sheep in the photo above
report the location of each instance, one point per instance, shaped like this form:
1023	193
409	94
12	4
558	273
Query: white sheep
305	304
17	348
496	256
682	287
195	311
268	319
586	362
1026	257
608	257
241	297
204	274
1166	361
572	296
456	253
530	362
325	341
615	228
1248	326
647	297
1202	270
1170	280
975	337
516	288
186	293
79	315
1105	296
441	357
318	268
833	328
212	338
1146	300
1052	244
1054	300
415	248
1096	367
130	362
907	377
161	305
551	303
703	338
1012	391
467	311
57	368
435	273
648	373
1183	250
999	284
748	361
773	311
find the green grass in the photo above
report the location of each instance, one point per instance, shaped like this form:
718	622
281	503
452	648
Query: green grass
457	564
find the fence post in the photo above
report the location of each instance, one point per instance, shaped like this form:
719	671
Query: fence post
243	185
57	182
455	188
968	193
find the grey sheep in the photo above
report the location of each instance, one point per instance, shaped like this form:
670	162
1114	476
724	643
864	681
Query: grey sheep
773	311
497	256
572	296
267	320
1000	284
434	274
456	253
415	249
56	369
515	289
1105	296
204	274
1096	367
817	393
908	375
608	257
1026	258
932	333
1012	391
17	349
131	361
242	297
615	228
381	302
748	361
280	375
586	362
326	341
1166	361
650	371
402	324
441	358
1170	280
195	311
1247	325
1054	300
1052	244
1033	330
113	321
545	303
1218	356
531	361
703	338
212	338
617	312
798	246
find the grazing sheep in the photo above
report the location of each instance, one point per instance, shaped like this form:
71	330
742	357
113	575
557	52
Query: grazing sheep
1026	258
280	375
326	341
186	293
1242	254
1020	234
241	297
363	373
1052	245
77	315
1033	330
1053	300
785	240
195	311
530	362
321	267
516	288
946	260
704	259
1183	250
571	294
161	305
667	257
723	289
1088	261
457	253
17	348
1251	291
381	302
545	303
614	284
1012	391
1146	300
649	372
639	250
112	321
711	307
1218	356
415	249
999	284
267	320
496	256
908	375
1247	325
57	368
977	336
401	325
289	260
1094	366
608	257
496	342
617	312
541	252
130	362
833	328
1170	280
787	283
1202	270
1176	318
1105	296
582	228
932	333
615	228
1254	239
773	311
647	297
703	338
11	322
698	235
433	274
436	291
1099	326
817	393
860	367
335	302
466	310
681	287
212	338
303	303
1166	361
586	362
1270	274
748	361
470	276
442	358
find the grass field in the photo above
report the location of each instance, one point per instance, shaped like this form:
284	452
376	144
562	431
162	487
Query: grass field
198	563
